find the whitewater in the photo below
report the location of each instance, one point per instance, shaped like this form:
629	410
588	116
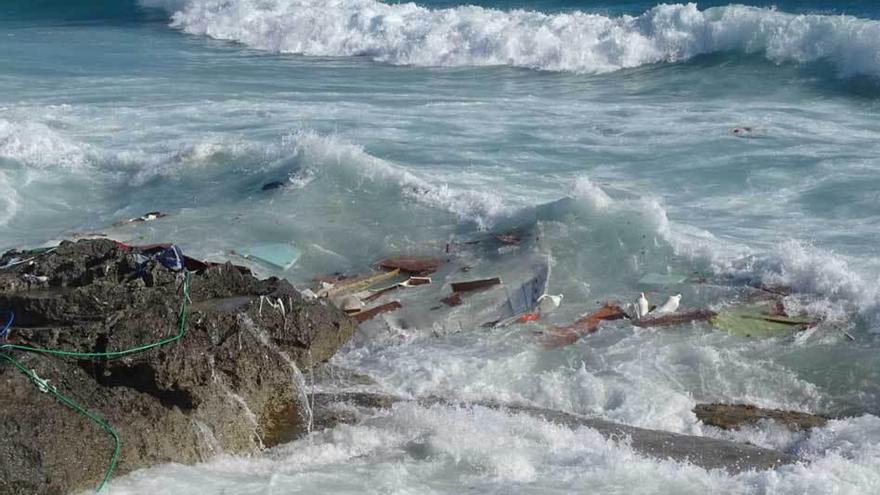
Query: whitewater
606	128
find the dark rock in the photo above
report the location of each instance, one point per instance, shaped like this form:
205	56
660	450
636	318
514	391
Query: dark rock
732	416
708	453
231	384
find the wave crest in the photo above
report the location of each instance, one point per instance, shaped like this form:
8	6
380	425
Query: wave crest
408	34
39	146
331	153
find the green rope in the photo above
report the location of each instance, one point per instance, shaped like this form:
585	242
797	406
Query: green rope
182	317
76	407
117	354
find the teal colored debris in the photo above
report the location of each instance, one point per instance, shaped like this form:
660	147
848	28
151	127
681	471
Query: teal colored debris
277	255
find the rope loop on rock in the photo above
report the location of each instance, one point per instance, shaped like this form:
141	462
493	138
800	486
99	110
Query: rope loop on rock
43	386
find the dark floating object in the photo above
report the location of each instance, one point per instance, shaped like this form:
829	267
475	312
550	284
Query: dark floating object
146	217
475	285
453	300
510	238
411	265
271	186
369	314
563	336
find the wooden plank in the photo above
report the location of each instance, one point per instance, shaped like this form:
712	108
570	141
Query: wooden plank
411	264
563	336
675	318
453	300
475	285
381	292
369	314
357	284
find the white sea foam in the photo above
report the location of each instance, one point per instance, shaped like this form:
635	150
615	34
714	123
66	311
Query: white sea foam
439	449
9	200
792	263
37	145
579	42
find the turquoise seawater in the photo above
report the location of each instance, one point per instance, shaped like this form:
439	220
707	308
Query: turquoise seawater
606	128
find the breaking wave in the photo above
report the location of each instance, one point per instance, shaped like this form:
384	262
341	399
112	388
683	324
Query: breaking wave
408	34
804	268
323	153
37	145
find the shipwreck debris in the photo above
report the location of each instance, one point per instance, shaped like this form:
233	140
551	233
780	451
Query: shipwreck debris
679	318
146	217
452	300
277	255
369	314
475	285
420	266
356	284
563	336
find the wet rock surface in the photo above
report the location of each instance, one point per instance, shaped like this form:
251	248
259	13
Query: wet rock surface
231	384
705	452
732	416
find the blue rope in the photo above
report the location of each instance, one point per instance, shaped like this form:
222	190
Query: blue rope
5	332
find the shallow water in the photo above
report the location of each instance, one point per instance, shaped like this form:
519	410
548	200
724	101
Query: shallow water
605	128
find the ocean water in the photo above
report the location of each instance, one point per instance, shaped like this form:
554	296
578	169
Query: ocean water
604	127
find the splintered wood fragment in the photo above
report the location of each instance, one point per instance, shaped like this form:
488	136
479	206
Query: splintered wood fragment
381	292
453	300
369	314
357	284
475	285
783	320
416	281
675	318
510	239
411	264
563	336
590	322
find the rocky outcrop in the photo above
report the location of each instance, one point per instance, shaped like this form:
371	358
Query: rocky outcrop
705	452
732	416
231	384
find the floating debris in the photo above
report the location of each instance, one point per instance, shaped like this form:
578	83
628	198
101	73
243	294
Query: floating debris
369	314
356	284
675	318
420	266
146	217
475	285
453	300
277	255
271	186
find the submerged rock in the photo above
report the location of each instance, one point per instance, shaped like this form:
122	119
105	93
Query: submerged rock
708	453
732	416
231	384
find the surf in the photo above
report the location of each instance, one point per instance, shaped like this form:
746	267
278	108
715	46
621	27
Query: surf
578	42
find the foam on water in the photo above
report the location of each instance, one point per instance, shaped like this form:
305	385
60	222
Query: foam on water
439	449
579	42
619	175
37	145
795	264
8	199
